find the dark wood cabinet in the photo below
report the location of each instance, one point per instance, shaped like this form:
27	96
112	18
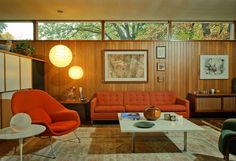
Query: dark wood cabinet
38	74
220	104
83	109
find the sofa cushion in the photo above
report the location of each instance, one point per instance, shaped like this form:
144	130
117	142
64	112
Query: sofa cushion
135	108
110	98
111	108
136	98
171	108
162	98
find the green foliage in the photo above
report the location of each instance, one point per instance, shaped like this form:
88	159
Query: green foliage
133	31
69	31
3	27
23	47
201	31
6	36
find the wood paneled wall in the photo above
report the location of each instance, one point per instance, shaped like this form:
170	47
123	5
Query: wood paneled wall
181	74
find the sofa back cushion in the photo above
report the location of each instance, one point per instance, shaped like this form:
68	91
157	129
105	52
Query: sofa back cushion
110	98
162	98
136	98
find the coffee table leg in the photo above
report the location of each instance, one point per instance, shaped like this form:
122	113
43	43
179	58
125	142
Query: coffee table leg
185	141
21	149
133	142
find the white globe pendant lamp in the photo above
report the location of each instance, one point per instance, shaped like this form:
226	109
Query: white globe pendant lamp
60	56
75	72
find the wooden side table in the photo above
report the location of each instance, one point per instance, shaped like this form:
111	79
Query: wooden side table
83	108
8	134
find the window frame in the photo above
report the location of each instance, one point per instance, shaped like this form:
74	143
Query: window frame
169	28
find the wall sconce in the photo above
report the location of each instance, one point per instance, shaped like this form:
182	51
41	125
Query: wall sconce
75	72
60	56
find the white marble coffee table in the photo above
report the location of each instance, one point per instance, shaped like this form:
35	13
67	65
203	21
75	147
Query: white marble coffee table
9	134
161	125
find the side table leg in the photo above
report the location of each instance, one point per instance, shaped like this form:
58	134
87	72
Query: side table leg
185	141
133	142
21	149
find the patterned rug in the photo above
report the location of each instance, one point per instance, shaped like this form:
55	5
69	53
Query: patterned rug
107	143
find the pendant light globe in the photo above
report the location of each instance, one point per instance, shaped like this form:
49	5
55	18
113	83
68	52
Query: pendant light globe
60	56
75	72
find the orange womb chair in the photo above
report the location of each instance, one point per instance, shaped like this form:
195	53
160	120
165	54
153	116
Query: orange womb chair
47	111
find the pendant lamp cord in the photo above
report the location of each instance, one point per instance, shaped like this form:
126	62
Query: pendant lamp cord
75	52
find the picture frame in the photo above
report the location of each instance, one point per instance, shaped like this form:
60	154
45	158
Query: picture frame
125	65
214	67
161	66
160	52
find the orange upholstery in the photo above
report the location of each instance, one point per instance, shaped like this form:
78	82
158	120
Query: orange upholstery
39	114
135	108
106	105
136	98
171	108
110	98
111	108
162	98
45	110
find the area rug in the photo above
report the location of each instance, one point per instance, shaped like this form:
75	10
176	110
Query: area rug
107	143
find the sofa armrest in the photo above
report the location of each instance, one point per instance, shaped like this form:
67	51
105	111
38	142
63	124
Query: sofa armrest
229	124
183	102
93	104
225	139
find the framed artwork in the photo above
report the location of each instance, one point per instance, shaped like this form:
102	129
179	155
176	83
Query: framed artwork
214	67
161	66
125	65
160	52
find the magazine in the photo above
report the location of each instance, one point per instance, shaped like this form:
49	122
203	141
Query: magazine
130	116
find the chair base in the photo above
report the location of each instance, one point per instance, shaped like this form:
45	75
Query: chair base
52	154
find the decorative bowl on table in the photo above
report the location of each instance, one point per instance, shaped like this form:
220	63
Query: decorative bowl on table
20	122
144	124
152	113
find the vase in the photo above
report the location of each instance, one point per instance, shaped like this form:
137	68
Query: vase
152	113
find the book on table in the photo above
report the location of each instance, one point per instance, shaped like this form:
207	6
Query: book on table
130	116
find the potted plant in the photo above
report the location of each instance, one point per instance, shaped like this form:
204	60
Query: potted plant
24	48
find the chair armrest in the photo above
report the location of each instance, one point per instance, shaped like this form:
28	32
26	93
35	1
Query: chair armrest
93	104
185	103
182	101
226	137
65	115
229	124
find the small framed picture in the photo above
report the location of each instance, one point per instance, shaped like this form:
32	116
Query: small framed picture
160	52
161	66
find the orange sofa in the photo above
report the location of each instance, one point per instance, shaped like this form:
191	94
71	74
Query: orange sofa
105	105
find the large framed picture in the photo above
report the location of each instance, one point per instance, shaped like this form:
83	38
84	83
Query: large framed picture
125	65
214	67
